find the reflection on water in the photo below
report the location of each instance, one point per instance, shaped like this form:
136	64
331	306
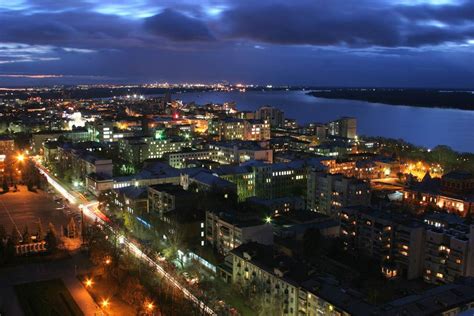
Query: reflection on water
421	126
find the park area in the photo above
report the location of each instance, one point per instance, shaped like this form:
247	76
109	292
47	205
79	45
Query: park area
46	298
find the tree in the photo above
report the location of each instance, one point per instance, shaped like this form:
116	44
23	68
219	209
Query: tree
40	230
51	238
14	236
71	229
174	242
105	200
132	291
3	236
5	185
3	233
10	248
26	235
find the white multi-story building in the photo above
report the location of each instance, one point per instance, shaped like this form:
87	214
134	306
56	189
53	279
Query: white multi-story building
226	231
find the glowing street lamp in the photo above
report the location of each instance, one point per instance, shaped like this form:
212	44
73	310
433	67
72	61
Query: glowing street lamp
150	306
88	282
105	303
108	261
20	157
268	219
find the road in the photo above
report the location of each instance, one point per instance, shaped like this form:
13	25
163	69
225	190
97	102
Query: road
91	211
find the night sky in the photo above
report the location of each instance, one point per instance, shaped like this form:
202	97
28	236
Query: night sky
408	43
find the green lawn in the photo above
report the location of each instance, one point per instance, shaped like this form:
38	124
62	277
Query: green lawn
47	298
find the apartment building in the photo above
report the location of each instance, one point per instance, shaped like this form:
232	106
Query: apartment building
409	247
344	127
239	129
137	149
179	159
274	116
228	230
273	276
328	193
448	254
395	241
236	152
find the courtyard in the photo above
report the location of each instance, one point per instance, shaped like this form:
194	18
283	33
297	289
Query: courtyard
25	208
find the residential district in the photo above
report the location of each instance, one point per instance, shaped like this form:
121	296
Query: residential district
176	208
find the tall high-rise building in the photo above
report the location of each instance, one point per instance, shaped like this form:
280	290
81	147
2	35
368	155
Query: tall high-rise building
271	114
343	127
328	193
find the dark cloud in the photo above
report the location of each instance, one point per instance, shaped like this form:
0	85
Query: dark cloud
365	23
454	14
339	23
310	22
176	26
303	41
74	29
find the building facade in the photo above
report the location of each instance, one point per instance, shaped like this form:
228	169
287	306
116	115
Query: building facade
328	193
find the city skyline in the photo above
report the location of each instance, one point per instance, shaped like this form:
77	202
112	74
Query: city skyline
237	158
318	43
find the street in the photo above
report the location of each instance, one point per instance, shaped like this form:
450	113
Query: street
93	213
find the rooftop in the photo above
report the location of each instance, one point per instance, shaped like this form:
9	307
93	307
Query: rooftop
433	301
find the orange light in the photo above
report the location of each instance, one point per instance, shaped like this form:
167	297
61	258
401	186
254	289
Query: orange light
88	282
108	261
105	303
20	157
150	306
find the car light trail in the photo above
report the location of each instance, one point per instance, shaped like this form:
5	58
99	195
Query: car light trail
56	185
90	210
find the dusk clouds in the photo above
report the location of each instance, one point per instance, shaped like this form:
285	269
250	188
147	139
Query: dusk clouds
87	32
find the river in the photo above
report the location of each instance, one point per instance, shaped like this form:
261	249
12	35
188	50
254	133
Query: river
421	126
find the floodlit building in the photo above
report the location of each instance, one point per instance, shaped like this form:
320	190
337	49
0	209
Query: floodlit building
454	192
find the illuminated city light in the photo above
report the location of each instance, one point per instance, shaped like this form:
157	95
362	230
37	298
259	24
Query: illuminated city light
105	303
88	282
150	306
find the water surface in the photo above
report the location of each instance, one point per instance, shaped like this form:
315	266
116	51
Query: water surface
421	126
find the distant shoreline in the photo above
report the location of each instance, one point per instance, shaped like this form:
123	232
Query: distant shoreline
459	100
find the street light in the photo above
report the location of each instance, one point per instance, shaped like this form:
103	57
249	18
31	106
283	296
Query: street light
88	282
105	303
108	261
20	157
150	306
268	219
